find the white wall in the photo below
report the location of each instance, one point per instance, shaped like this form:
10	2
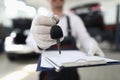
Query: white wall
109	7
2	10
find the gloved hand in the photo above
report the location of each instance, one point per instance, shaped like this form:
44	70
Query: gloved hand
92	49
40	30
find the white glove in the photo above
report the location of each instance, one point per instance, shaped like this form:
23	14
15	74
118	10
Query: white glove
40	30
93	49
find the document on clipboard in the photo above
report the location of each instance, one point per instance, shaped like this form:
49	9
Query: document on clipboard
71	58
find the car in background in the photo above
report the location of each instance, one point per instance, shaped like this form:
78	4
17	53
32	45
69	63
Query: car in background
15	45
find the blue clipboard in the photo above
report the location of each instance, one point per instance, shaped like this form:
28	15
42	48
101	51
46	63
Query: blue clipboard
39	68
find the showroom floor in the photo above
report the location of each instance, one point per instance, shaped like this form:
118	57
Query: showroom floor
25	69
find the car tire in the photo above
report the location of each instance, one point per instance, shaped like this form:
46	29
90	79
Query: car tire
12	57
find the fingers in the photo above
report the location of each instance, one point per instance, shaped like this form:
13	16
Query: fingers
46	20
55	19
95	51
99	52
43	37
91	51
44	44
42	24
41	29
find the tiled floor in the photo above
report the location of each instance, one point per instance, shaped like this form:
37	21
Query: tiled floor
25	69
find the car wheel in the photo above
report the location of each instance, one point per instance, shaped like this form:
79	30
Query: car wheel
12	57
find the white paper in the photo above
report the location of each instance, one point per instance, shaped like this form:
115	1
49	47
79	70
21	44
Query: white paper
70	56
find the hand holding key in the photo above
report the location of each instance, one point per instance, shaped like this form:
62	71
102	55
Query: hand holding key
41	29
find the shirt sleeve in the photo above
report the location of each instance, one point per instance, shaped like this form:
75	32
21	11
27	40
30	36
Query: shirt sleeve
79	30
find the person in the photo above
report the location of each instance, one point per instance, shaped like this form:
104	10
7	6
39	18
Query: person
39	37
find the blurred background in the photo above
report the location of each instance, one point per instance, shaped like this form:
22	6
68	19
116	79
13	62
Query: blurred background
18	61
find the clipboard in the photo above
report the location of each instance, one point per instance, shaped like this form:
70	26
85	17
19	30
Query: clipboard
42	68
